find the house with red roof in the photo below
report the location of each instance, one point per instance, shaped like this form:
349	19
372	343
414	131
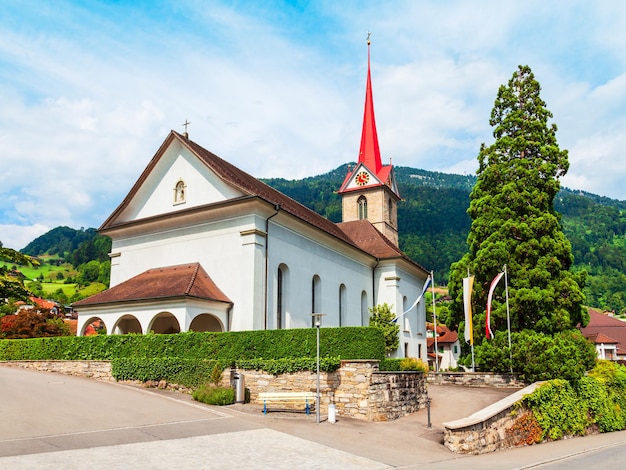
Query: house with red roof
37	303
443	347
607	333
200	245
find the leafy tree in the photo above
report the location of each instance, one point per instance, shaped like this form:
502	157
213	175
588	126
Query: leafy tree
382	317
538	356
11	285
33	324
514	222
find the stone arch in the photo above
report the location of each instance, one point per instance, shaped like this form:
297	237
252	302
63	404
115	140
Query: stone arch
206	322
164	323
127	324
93	326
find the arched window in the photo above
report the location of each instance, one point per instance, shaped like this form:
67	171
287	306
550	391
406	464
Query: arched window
316	297
342	304
362	207
365	315
279	299
179	192
282	296
390	210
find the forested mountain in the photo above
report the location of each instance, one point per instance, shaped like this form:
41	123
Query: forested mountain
74	246
59	240
433	226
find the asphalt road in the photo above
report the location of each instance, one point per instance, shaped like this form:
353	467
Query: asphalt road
62	422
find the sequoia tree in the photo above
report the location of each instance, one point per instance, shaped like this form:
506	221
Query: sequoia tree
514	222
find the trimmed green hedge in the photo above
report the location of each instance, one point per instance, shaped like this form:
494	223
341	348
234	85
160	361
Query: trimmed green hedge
228	347
186	372
289	365
193	373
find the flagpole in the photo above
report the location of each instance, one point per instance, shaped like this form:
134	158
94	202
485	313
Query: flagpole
432	283
471	329
508	315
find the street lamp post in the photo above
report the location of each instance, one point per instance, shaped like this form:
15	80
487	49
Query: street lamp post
317	320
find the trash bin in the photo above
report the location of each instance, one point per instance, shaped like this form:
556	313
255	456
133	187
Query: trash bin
240	387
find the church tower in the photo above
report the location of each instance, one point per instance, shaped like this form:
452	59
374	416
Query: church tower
369	190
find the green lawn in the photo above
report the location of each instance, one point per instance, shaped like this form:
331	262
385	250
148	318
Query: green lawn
52	281
49	272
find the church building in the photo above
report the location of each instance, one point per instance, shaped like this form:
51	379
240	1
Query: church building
200	245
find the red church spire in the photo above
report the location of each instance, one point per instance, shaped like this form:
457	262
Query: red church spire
369	153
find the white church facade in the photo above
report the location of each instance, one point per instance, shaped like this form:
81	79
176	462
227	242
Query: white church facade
198	244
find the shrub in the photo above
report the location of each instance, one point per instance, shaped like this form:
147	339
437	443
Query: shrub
394	364
382	317
556	407
216	374
412	363
538	356
390	364
562	408
214	395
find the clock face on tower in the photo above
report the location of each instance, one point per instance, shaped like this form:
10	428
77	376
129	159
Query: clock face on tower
362	178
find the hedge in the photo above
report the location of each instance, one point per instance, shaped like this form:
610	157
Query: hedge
227	347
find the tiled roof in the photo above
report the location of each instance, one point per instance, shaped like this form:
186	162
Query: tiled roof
252	186
360	234
601	338
606	325
370	240
241	180
42	303
185	280
444	335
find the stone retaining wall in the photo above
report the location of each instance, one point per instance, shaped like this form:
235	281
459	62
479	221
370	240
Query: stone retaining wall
100	370
357	389
489	429
475	379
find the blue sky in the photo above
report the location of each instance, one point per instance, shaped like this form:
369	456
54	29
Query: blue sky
89	90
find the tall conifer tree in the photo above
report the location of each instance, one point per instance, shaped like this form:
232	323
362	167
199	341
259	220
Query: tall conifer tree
514	221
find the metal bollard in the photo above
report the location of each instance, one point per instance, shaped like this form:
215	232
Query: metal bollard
428	409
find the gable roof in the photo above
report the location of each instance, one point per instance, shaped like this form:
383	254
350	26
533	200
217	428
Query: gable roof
237	178
370	240
444	335
606	325
184	280
365	237
601	338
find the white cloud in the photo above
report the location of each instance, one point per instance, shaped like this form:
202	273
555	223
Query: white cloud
88	95
18	236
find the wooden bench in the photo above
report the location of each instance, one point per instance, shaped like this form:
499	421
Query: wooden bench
287	401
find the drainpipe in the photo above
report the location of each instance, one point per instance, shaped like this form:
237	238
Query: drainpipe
230	309
267	245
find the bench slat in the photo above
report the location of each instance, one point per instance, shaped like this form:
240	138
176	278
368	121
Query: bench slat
273	399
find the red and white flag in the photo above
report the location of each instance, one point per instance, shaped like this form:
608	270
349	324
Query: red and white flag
488	332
